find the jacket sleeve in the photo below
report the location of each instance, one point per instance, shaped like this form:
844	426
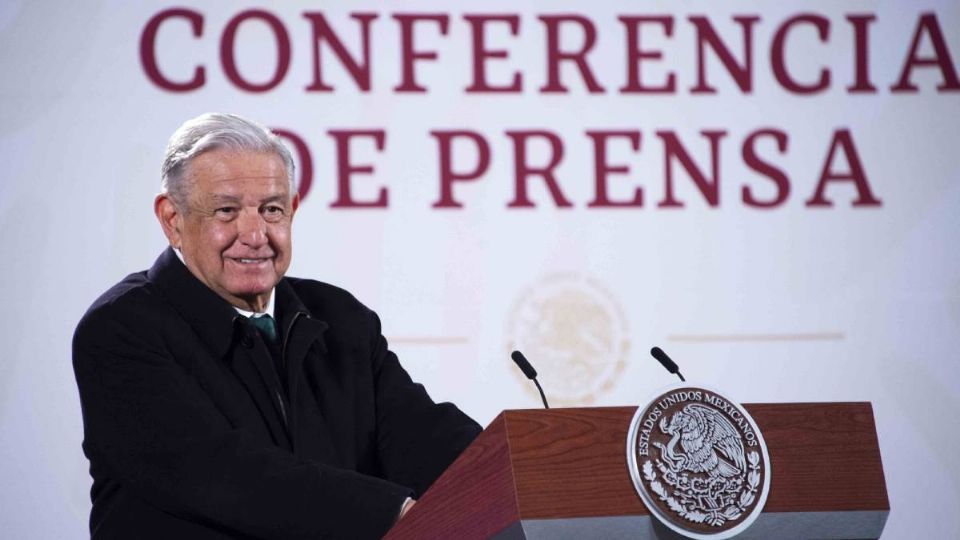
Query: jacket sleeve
417	439
150	426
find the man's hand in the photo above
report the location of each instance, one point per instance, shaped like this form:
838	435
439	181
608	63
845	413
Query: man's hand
407	505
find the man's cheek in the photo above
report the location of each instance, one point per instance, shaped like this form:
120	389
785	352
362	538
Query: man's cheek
220	237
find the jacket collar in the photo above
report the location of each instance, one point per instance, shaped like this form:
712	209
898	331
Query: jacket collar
211	316
286	305
289	308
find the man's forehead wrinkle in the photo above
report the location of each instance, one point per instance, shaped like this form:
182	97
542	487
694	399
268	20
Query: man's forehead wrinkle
227	198
228	177
222	197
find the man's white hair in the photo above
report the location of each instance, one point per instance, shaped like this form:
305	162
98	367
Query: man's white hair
215	131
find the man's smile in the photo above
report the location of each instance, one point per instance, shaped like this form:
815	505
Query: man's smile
251	261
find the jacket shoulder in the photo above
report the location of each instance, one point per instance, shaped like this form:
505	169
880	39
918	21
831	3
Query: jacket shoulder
133	298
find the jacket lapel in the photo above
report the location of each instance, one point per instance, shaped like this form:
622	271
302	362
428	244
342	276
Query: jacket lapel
227	338
211	317
252	365
302	336
297	332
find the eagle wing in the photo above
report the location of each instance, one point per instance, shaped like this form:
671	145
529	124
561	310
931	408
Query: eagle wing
719	433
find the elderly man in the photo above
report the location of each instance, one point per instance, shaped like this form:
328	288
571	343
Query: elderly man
224	400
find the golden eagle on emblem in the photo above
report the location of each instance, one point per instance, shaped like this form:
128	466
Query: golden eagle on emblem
710	443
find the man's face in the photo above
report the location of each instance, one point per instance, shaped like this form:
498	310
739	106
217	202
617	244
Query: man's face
235	232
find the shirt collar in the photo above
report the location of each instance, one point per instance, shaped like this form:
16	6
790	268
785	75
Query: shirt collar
245	313
268	311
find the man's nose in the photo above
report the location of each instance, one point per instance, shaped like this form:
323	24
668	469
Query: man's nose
252	229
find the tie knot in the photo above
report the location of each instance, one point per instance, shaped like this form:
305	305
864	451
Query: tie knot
266	326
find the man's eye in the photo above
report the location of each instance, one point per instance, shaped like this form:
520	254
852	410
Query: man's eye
225	211
273	210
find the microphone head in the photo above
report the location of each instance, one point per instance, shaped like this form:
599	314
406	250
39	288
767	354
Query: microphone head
664	360
524	366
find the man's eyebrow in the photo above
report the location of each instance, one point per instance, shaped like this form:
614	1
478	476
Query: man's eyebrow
221	198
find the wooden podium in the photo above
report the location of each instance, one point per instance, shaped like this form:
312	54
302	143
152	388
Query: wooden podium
562	473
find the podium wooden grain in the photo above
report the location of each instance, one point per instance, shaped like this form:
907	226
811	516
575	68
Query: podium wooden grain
563	473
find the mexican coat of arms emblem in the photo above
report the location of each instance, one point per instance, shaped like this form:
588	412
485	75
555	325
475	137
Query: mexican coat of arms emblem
699	463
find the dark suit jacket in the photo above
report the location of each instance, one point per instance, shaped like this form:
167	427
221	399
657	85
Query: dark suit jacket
193	430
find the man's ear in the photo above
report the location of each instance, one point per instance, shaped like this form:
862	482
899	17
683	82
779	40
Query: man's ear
294	204
170	218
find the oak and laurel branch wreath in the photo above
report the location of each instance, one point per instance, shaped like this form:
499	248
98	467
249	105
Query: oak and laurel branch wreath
715	518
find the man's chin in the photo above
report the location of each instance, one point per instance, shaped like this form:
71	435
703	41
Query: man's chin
253	292
259	289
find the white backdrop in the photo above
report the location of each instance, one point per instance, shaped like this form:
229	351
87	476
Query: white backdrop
791	303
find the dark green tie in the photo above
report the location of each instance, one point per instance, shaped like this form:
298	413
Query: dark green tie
267	327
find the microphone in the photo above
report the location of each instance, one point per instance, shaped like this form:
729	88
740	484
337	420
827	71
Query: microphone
666	362
531	373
